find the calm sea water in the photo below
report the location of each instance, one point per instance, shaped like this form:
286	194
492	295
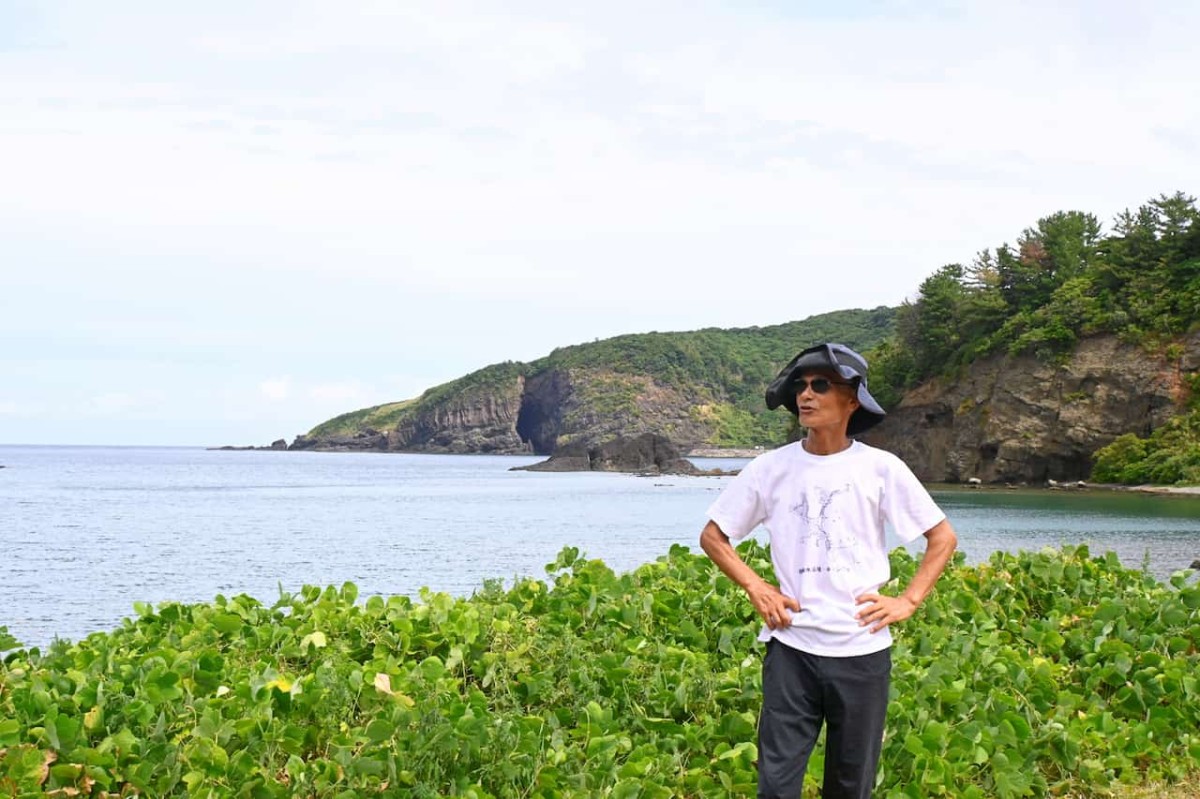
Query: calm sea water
87	531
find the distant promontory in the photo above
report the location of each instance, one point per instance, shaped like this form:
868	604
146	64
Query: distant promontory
1071	354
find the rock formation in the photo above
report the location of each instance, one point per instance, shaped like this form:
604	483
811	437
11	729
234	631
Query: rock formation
278	444
644	454
363	440
1003	419
693	387
535	414
1021	419
478	419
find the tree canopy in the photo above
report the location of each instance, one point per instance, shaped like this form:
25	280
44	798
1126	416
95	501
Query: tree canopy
1062	280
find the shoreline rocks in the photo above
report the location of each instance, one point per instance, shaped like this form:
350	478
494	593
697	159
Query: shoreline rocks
648	453
732	452
278	445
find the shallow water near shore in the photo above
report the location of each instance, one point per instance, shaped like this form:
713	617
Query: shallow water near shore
87	531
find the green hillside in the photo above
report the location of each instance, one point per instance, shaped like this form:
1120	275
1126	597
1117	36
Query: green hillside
725	371
734	364
1062	280
1065	279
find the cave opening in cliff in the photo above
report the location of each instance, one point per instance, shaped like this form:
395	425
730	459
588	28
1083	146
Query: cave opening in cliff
532	428
539	422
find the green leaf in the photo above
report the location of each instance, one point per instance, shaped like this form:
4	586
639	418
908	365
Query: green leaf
7	641
380	730
316	638
227	623
10	732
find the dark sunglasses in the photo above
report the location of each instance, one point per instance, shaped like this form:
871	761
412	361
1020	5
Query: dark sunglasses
820	385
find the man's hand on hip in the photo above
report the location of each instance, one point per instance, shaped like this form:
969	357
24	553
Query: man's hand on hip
882	610
775	608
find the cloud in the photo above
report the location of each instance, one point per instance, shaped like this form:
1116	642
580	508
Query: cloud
358	193
276	389
340	392
124	403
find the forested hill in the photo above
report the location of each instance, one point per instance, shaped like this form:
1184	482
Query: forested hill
703	387
1062	281
1070	349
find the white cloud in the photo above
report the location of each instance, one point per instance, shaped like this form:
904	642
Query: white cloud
347	393
120	403
276	389
340	191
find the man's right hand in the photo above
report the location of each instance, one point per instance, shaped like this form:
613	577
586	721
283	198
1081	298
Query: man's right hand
775	608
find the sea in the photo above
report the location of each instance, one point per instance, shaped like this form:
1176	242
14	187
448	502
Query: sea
87	531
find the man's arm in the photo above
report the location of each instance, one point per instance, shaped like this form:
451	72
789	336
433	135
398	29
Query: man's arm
882	610
775	608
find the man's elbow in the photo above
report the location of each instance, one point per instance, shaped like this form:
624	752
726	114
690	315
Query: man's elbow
944	537
711	536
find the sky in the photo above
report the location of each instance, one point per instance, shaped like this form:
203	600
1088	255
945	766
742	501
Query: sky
225	222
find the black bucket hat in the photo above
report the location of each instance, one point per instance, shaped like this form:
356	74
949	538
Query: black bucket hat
837	358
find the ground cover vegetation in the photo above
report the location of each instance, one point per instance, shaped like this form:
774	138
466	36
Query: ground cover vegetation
1050	673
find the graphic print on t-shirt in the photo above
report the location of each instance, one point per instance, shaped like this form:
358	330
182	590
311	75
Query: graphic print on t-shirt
826	545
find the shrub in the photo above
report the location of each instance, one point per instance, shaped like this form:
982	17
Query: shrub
1037	673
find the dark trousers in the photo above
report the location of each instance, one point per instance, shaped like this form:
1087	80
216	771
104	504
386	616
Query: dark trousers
802	691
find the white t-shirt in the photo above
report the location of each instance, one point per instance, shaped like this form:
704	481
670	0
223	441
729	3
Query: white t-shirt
825	515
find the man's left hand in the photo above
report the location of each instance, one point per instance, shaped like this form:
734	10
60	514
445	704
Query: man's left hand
882	610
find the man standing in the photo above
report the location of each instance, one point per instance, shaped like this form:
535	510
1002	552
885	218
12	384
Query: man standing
824	501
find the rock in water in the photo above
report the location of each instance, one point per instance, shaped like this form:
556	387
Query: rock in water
648	453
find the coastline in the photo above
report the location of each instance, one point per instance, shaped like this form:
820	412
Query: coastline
1153	489
732	452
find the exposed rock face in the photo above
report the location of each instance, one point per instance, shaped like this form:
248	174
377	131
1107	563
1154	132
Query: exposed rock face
480	419
1024	420
540	421
602	405
538	414
644	454
1004	420
364	440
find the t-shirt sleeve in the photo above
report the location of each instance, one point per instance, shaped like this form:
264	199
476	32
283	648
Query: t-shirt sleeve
740	507
907	506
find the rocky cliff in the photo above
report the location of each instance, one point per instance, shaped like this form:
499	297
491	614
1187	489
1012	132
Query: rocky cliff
697	387
1004	419
1020	419
477	419
534	414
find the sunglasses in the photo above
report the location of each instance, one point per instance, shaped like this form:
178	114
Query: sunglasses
820	385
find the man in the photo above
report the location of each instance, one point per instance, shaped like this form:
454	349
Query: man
824	501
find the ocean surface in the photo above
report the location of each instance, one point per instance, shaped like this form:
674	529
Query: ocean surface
87	531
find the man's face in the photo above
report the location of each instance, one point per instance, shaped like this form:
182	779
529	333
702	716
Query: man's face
830	410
